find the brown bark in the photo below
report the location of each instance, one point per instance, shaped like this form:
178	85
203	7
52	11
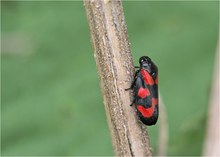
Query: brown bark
115	69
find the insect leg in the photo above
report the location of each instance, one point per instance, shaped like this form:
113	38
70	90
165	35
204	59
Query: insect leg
132	102
133	83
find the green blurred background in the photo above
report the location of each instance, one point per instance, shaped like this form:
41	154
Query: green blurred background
51	99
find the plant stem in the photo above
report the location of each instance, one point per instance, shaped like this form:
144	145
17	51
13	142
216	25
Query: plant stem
115	69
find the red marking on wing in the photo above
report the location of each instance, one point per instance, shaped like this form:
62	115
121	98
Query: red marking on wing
147	77
156	81
143	92
147	113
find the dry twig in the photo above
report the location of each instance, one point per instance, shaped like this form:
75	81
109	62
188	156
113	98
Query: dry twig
211	144
115	70
163	139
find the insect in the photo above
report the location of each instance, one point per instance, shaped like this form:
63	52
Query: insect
145	90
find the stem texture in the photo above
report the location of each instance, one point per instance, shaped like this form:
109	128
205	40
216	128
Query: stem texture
115	69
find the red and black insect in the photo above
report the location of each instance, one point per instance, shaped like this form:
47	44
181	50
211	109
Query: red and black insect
145	89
